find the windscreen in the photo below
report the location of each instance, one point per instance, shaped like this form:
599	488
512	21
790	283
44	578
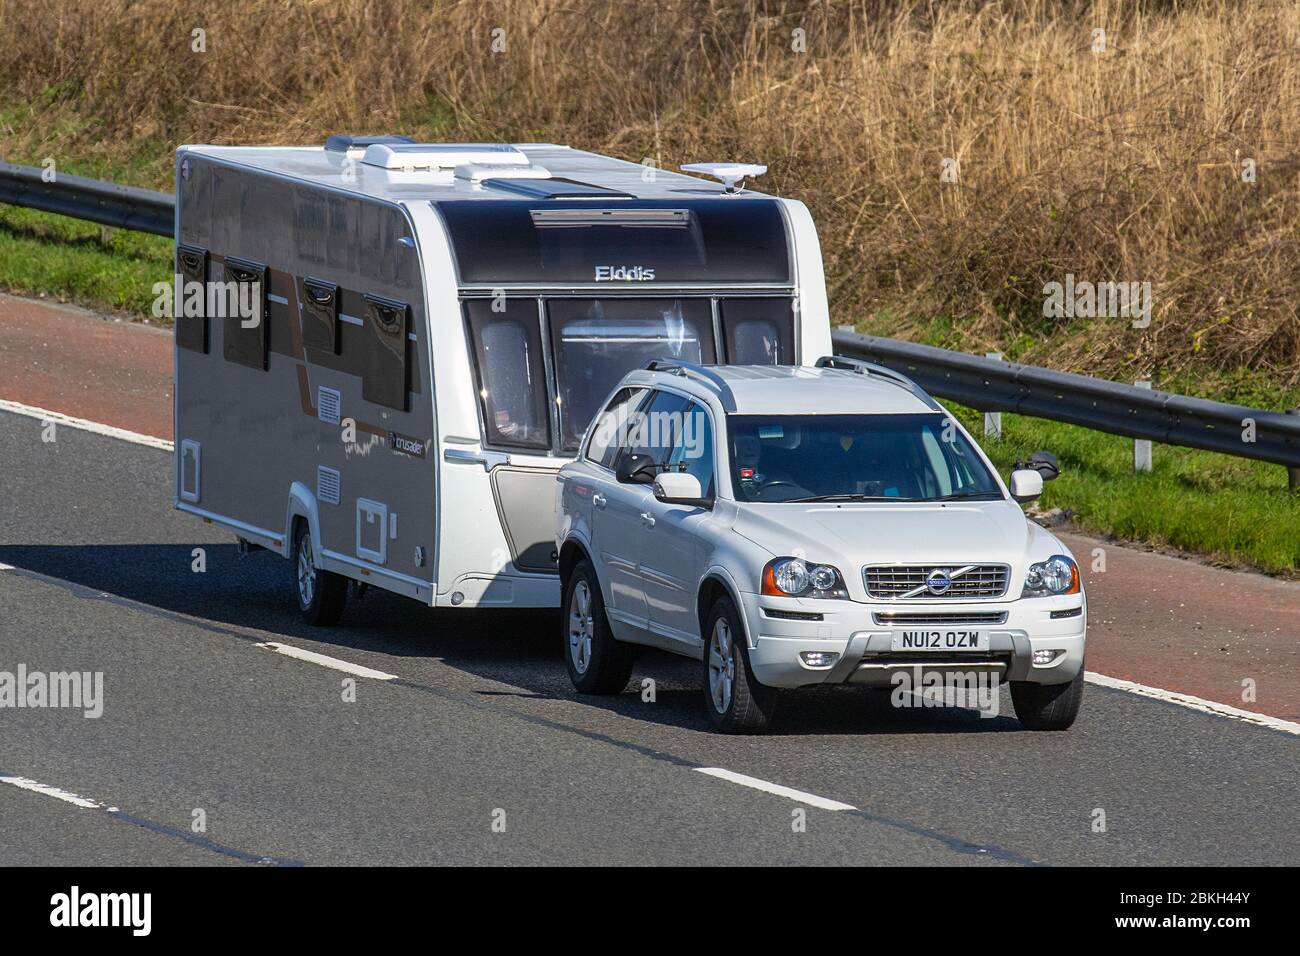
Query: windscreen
855	458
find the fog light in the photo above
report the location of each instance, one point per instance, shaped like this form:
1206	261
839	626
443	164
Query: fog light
1045	657
818	658
457	599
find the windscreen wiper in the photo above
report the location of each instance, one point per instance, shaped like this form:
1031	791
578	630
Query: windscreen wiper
849	498
959	495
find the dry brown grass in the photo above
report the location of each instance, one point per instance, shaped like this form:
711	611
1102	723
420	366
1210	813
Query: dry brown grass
1121	165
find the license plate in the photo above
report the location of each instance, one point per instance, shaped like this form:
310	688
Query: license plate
942	639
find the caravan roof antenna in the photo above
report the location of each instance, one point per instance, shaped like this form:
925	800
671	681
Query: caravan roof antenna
731	174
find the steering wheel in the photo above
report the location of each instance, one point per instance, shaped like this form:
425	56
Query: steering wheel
775	483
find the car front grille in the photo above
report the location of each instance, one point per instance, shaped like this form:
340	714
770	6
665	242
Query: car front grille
940	617
896	582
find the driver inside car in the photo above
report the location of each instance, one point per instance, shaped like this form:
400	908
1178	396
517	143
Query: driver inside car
750	470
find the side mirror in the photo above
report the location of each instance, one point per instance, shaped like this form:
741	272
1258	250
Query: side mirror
636	470
1045	463
679	488
1026	484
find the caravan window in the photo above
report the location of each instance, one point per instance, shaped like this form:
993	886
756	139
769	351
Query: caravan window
510	372
758	331
597	341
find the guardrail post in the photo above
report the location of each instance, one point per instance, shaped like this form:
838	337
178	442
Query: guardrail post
1293	474
1142	446
993	420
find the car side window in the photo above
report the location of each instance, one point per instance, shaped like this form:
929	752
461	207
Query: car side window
692	451
651	429
612	426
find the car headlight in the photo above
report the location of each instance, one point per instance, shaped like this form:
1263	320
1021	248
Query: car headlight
795	577
1057	575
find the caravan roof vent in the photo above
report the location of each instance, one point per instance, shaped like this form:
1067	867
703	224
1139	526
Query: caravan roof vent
355	146
729	173
441	156
477	172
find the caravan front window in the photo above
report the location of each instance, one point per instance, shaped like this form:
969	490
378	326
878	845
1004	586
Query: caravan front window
511	372
759	331
596	342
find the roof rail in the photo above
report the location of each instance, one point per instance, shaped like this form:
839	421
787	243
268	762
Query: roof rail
862	367
700	372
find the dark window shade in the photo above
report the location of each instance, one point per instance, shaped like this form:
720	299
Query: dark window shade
758	331
385	369
240	344
595	342
320	315
630	242
510	372
192	330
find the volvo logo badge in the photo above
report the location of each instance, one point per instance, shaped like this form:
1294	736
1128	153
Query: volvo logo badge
938	581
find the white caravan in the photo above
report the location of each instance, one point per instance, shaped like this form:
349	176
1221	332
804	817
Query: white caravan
438	324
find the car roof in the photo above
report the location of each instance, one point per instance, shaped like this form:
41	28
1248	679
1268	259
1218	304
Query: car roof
793	389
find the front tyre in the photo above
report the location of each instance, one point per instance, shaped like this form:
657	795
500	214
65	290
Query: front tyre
321	594
736	701
1047	706
597	662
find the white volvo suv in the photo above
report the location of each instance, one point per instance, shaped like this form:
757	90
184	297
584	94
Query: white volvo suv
800	526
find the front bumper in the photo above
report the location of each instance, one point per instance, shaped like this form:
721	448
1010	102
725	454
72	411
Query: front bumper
862	646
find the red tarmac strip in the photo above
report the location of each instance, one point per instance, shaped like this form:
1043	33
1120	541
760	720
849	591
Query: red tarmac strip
1157	620
1184	626
69	360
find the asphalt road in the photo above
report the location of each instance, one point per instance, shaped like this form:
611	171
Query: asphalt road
481	727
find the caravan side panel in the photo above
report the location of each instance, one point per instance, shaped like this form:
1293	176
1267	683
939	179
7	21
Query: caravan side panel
314	399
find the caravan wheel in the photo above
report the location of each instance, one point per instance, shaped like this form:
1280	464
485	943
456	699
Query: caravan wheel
321	593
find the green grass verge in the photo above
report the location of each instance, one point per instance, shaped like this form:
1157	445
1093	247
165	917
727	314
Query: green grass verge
1234	510
80	261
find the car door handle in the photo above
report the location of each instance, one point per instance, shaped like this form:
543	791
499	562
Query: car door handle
599	500
647	519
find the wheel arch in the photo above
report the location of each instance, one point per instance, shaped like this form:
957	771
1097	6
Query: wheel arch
301	507
715	584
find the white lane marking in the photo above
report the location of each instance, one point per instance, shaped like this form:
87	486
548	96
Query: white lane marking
1194	703
24	783
798	796
313	658
44	414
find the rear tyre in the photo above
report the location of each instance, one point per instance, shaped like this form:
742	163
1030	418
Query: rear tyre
1047	706
597	662
736	701
321	594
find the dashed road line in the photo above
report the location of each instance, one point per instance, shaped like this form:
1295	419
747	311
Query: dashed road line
324	661
798	796
25	783
194	839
